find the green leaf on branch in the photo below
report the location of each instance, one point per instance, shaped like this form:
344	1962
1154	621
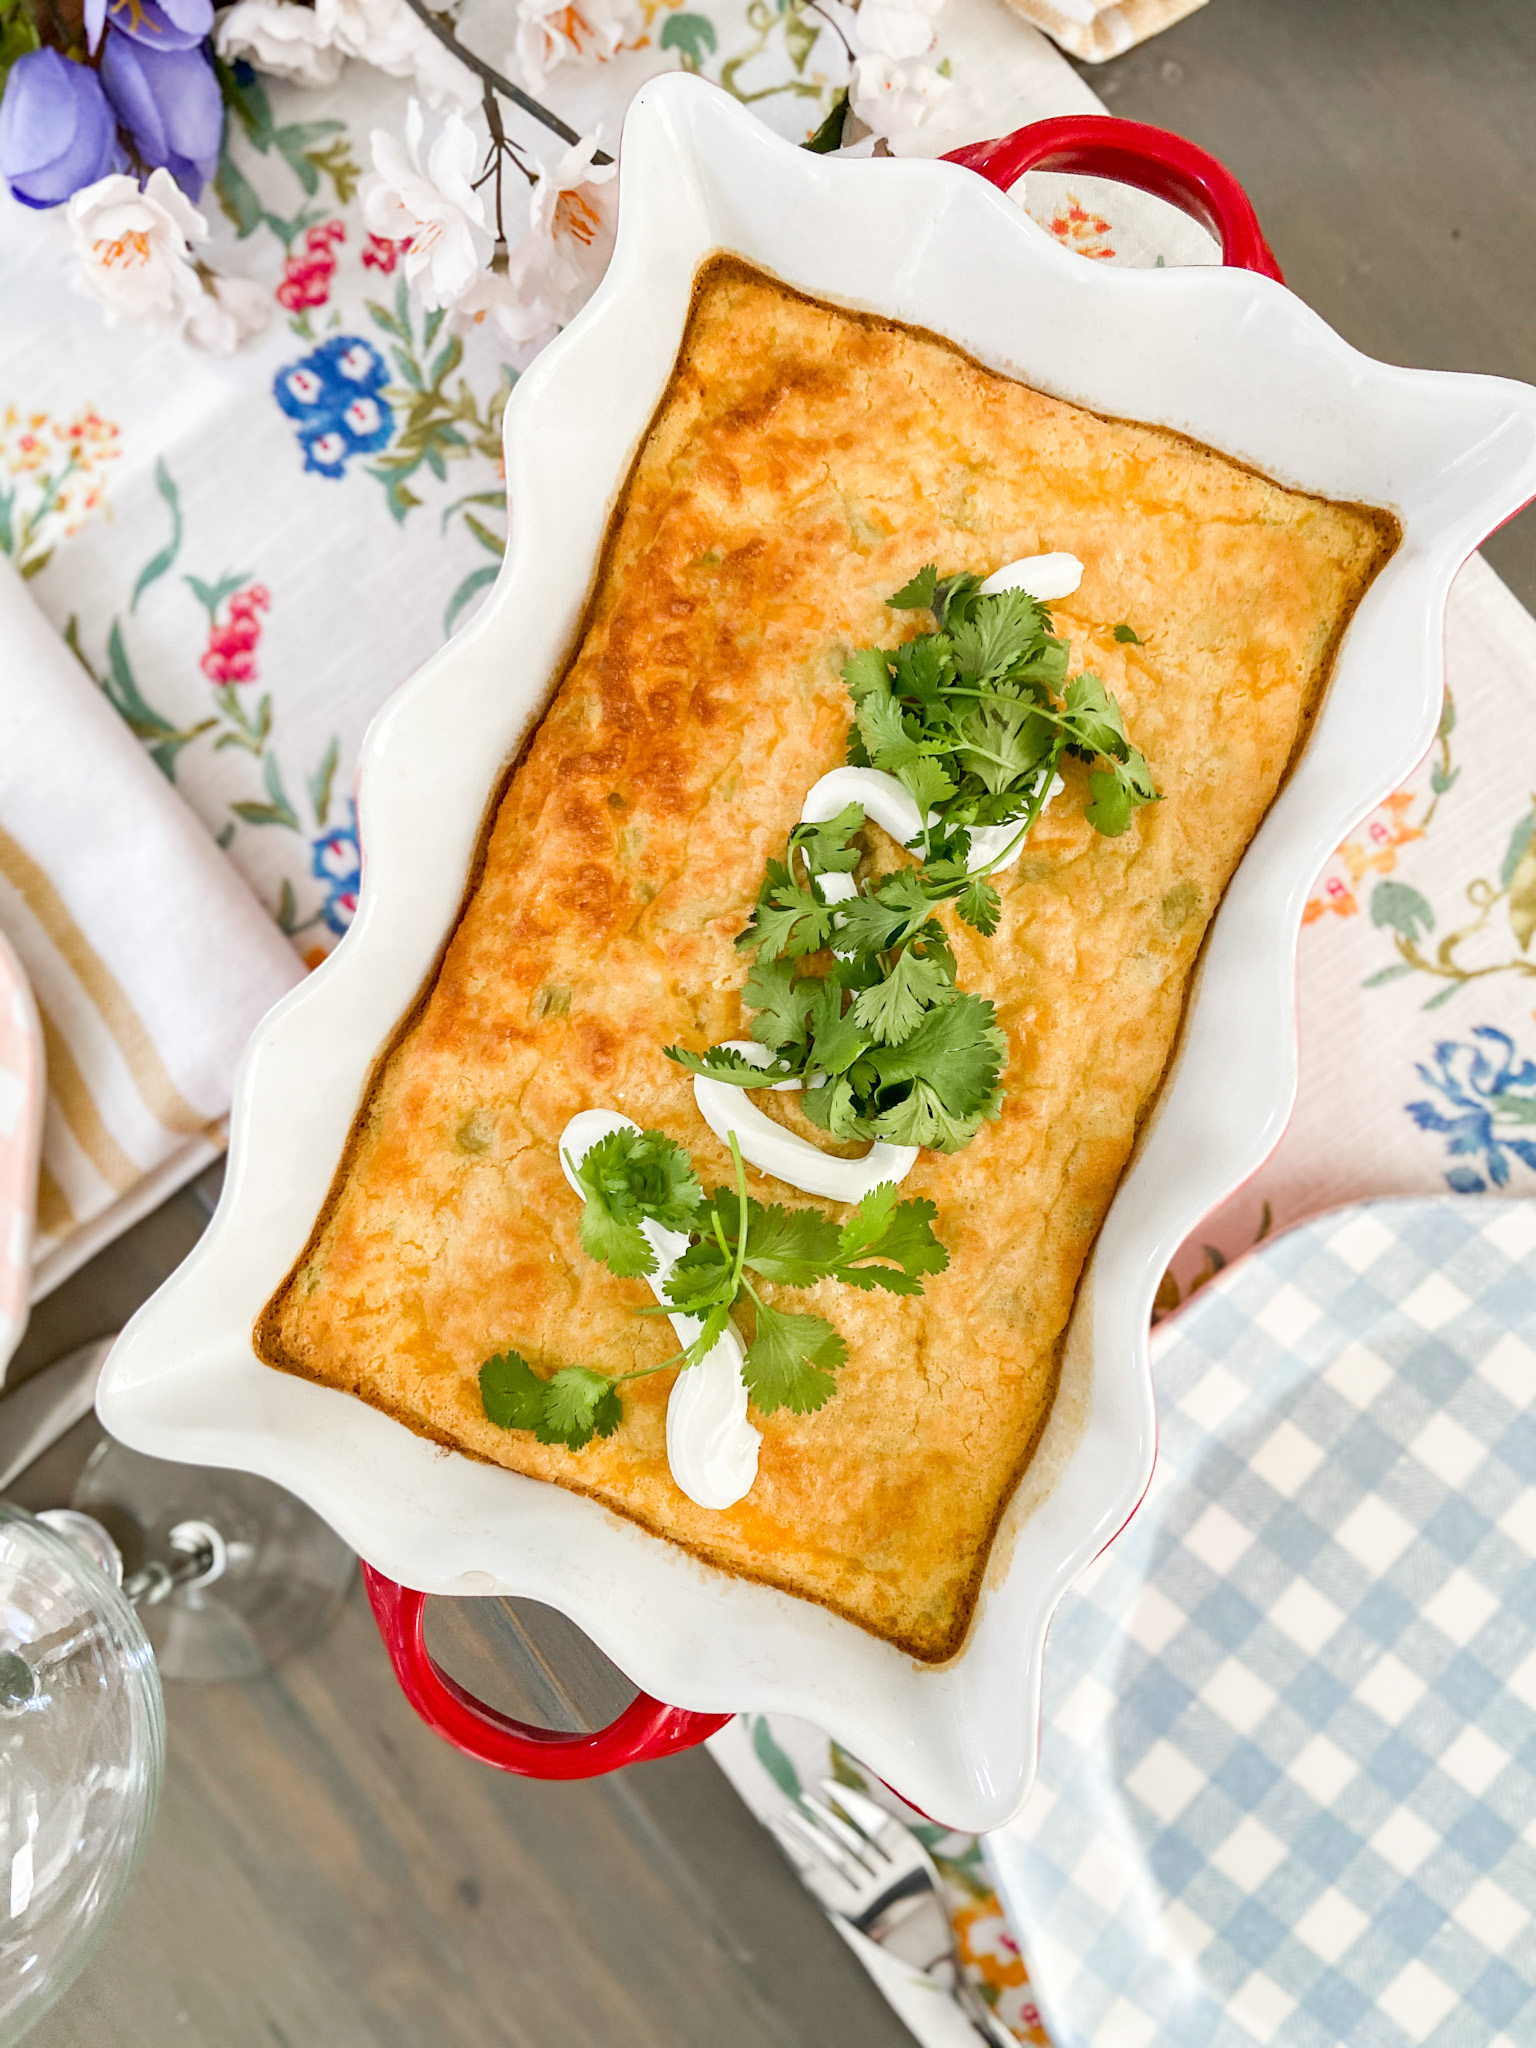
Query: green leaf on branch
692	36
823	141
1396	905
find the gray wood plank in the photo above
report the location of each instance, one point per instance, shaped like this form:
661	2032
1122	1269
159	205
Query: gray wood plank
325	1873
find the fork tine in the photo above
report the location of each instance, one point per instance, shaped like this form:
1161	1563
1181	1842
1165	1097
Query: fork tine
791	1844
848	1832
824	1851
873	1822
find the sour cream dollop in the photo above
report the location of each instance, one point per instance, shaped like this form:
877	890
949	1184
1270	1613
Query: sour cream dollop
725	1108
711	1446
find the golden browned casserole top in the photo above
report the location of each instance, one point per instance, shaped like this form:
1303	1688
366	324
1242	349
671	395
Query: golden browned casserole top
804	464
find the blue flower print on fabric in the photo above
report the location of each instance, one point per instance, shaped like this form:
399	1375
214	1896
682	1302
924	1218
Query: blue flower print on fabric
1488	1092
335	393
336	860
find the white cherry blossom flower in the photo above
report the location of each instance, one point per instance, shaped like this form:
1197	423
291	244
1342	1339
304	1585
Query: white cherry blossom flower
914	106
554	32
559	262
229	312
387	35
279	38
134	247
433	209
899	29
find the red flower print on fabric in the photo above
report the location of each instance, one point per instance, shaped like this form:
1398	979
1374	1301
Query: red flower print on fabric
230	656
1082	231
308	271
383	254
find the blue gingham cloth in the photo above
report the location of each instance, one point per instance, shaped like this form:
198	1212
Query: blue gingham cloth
1288	1777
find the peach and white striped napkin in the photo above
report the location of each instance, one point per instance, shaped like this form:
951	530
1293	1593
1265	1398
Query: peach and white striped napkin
21	1122
149	958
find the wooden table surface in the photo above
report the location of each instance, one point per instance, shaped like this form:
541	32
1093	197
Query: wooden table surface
326	1874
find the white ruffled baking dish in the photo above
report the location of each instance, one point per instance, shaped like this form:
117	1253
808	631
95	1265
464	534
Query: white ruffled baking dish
1227	356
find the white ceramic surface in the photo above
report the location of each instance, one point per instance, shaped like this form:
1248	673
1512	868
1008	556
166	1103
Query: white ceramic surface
1231	358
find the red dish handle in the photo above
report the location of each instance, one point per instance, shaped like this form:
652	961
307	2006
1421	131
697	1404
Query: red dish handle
1103	146
644	1730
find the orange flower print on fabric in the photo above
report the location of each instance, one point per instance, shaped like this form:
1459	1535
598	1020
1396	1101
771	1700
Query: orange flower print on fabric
1372	852
1077	229
992	1959
51	480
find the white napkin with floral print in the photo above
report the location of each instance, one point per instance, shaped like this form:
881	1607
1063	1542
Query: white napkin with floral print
149	957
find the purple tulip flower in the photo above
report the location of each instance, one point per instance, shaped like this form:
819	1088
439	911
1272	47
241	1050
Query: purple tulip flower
169	102
56	129
162	24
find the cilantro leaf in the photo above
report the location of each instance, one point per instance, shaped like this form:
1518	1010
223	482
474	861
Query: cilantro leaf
925	1118
918	595
826	847
1093	719
926	783
894	1007
700	1277
837	1040
867	673
956	597
621	1247
568	1409
1109	810
719	1063
781	1000
897	911
923	666
1116	790
578	1404
511	1392
883	730
957	1051
711	1330
867	1222
979	904
999	631
789	921
1137	776
790	1361
628	1177
879	1228
832	1108
1128	636
795	1247
908	1239
1004	745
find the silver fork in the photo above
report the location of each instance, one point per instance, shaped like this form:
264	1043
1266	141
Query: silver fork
869	1869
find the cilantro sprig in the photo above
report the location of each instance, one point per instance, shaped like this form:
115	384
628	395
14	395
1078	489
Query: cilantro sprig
973	719
736	1244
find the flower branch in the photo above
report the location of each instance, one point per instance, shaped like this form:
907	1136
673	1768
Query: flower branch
494	79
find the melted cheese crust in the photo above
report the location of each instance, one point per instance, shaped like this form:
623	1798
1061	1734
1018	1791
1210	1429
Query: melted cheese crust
804	463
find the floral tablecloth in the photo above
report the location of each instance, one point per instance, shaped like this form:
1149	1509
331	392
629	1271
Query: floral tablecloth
250	553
